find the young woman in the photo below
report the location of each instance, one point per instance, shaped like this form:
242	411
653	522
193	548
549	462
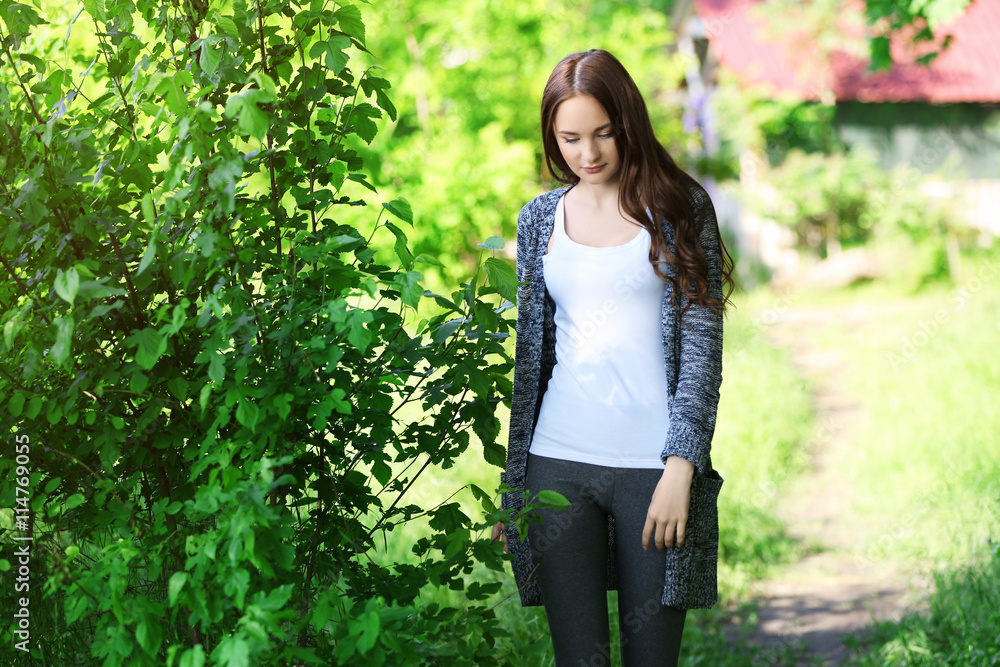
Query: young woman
617	376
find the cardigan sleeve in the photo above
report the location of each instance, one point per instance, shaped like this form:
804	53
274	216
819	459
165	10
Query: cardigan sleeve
521	263
696	398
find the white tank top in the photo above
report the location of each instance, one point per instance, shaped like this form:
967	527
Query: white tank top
606	402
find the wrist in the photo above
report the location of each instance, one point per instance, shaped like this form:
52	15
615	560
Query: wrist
679	465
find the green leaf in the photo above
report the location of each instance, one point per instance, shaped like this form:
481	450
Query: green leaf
382	471
178	386
204	395
349	19
138	382
228	26
177	581
247	413
75	500
369	633
358	335
275	599
151	346
147	257
252	120
34	407
555	498
492	243
64	339
881	59
104	309
334	47
282	404
96	9
404	254
234	651
193	657
149	634
502	277
35	61
216	368
139	175
338	172
430	260
96	289
495	454
10	331
360	178
210	57
409	287
19	18
16	404
360	118
400	208
446	330
67	285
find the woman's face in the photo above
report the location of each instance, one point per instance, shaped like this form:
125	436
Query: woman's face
586	140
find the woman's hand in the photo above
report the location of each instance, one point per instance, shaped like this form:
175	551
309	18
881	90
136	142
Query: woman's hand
668	510
500	532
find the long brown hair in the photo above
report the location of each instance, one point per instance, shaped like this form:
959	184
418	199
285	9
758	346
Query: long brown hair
650	179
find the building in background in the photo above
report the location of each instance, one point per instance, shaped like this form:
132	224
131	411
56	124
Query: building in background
942	120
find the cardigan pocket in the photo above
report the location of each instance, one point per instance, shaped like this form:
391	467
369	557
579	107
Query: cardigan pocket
703	510
692	569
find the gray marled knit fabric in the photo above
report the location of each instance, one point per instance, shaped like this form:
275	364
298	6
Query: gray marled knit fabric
693	356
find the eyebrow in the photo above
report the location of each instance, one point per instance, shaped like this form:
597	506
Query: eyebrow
606	126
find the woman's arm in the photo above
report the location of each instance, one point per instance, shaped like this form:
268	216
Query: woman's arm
696	397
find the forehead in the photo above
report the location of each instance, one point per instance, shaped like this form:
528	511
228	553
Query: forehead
580	113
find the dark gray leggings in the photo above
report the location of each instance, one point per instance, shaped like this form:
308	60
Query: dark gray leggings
569	548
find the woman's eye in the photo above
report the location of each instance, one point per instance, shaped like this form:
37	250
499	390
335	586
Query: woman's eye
570	141
606	136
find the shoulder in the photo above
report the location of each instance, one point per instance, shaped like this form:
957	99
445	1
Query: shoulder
541	207
696	193
699	200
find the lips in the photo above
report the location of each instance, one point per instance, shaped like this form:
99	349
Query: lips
594	170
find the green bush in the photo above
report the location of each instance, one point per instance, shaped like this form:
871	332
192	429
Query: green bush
215	380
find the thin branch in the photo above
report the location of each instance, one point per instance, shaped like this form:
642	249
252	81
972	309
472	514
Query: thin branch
422	468
12	379
93	472
128	274
27	95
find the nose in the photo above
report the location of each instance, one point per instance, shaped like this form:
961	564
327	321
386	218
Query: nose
591	152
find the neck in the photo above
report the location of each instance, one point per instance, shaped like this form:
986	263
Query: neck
603	196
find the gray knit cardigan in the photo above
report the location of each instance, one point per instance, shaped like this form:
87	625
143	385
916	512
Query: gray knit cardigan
693	356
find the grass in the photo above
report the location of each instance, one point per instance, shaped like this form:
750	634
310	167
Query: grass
959	630
922	363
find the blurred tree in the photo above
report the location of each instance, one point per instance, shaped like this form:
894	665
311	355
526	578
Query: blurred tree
470	75
817	23
924	17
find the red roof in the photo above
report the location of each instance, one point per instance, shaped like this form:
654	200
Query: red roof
967	71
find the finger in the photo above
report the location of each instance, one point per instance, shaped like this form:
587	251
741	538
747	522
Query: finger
681	527
660	535
647	530
668	534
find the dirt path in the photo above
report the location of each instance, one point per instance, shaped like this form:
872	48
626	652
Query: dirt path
831	592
